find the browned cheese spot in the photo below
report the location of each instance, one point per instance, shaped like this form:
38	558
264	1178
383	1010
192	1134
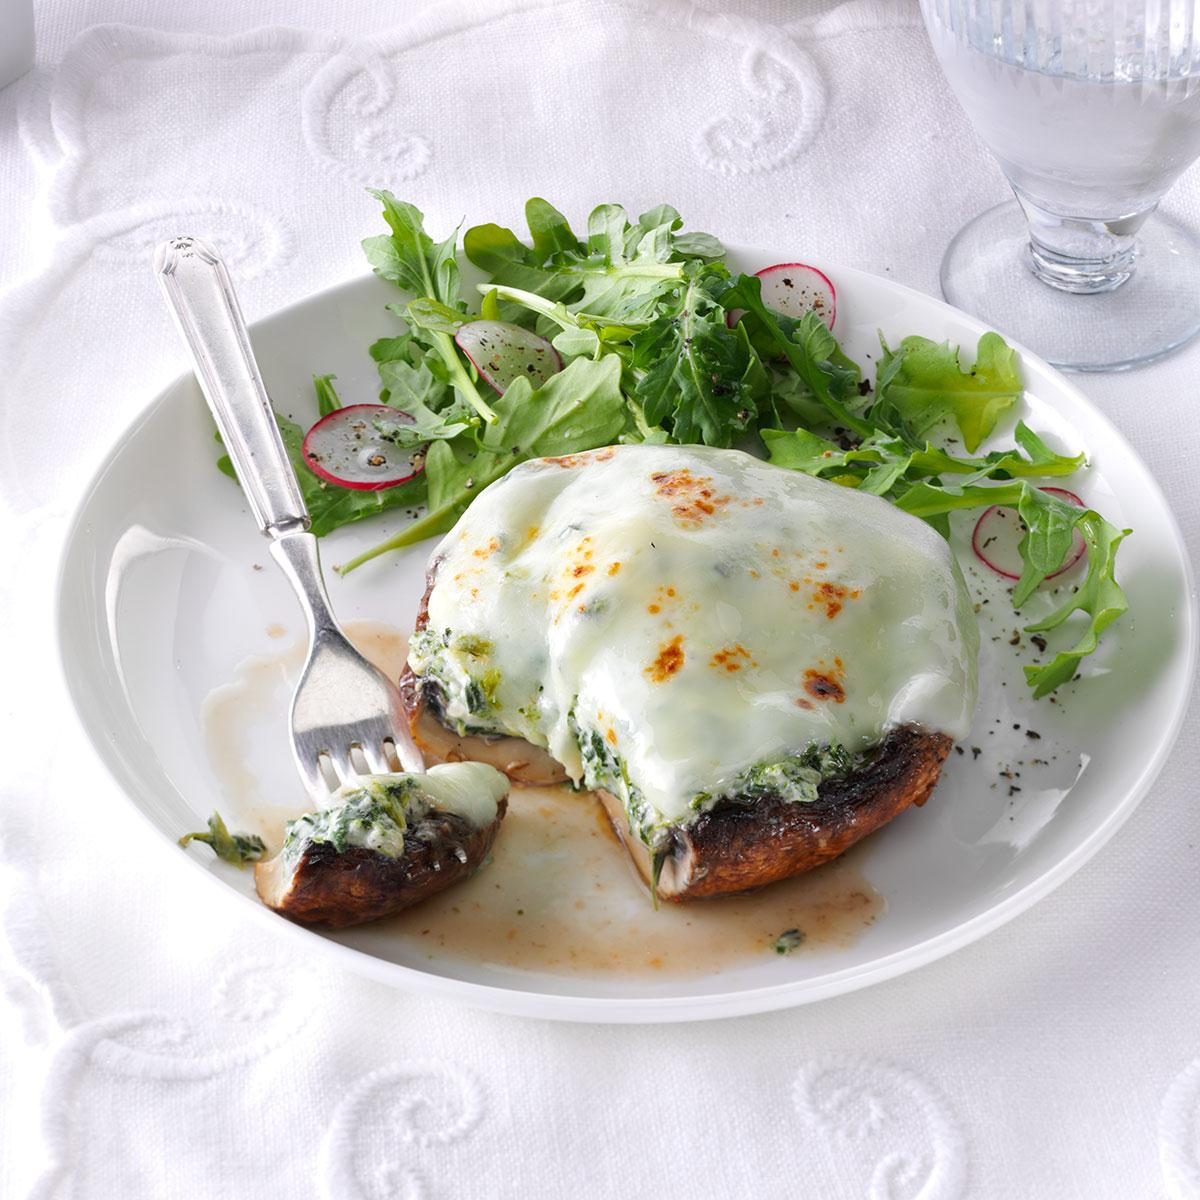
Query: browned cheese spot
691	497
731	659
832	597
669	661
659	601
566	461
824	683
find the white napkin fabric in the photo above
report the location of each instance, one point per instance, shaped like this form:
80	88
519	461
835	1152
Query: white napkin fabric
155	1043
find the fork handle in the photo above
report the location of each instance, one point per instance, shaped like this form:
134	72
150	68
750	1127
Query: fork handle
296	553
201	298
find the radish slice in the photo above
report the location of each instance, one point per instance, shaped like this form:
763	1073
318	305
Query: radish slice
999	531
501	352
796	288
345	448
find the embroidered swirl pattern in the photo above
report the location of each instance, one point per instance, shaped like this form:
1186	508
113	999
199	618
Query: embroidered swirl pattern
350	124
785	103
389	1122
887	1116
267	1003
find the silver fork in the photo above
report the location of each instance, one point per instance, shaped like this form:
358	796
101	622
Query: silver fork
346	714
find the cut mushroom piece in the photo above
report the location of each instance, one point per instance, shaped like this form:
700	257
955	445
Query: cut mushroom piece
339	888
384	843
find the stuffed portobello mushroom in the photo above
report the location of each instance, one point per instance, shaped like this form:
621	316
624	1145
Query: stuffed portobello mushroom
752	667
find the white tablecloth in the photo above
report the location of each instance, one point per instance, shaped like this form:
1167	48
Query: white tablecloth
156	1044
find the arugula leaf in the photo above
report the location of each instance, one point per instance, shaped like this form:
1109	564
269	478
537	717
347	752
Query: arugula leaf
344	506
550	230
882	456
687	369
1047	461
807	345
1049	535
801	450
489	306
1039	461
623	272
395	349
552	313
425	426
696	245
1050	527
410	387
327	397
574	341
1099	596
507	259
921	382
580	408
606	233
582	336
876	465
630	269
411	259
412	380
1049	522
434	317
700	378
236	848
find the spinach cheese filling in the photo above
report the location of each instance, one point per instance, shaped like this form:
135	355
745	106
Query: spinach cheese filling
377	812
682	626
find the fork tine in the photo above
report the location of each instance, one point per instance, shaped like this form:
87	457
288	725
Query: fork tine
377	759
343	764
309	768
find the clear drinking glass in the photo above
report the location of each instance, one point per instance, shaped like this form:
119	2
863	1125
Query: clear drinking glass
1092	108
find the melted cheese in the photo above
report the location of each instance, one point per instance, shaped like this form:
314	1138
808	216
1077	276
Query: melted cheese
692	613
373	812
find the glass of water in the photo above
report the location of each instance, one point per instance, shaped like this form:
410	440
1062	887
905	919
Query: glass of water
1092	108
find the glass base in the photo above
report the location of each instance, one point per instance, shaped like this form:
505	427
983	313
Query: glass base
987	272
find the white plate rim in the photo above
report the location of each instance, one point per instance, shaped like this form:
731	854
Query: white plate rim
661	1010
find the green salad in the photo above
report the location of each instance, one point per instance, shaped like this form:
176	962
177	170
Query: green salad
638	331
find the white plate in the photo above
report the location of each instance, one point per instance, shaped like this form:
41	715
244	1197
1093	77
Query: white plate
166	588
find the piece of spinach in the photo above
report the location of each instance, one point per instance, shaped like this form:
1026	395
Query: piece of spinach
236	848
